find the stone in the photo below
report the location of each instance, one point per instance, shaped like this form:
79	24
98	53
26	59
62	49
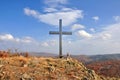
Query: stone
25	65
1	66
26	76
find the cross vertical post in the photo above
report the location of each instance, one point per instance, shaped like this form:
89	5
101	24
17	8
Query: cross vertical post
60	33
60	38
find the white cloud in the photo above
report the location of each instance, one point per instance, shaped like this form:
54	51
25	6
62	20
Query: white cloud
92	29
53	42
9	37
69	42
106	36
49	43
84	34
30	12
17	40
6	37
26	40
8	41
113	30
116	18
77	26
66	9
106	41
45	44
53	17
55	3
50	10
96	18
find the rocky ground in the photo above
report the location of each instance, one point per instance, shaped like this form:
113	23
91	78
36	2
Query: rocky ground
33	68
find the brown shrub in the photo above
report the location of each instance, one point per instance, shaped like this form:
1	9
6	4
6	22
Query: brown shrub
4	54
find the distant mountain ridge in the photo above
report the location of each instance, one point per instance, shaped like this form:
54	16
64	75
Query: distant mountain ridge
83	58
107	64
106	57
91	58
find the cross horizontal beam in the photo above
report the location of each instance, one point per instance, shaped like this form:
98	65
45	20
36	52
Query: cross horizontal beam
57	33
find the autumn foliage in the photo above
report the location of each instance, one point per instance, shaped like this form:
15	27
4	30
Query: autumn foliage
107	68
22	66
4	54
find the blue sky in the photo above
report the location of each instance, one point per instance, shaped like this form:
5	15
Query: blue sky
25	25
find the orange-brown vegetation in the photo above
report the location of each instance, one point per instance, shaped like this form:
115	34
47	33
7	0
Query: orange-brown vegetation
4	54
21	67
33	68
109	68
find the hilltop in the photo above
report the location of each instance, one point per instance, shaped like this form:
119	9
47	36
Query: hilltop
21	66
33	68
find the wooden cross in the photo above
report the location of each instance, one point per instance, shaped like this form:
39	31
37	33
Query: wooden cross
60	33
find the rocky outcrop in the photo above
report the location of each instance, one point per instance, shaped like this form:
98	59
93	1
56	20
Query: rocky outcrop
32	68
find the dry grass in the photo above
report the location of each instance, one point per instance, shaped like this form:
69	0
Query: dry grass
33	68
